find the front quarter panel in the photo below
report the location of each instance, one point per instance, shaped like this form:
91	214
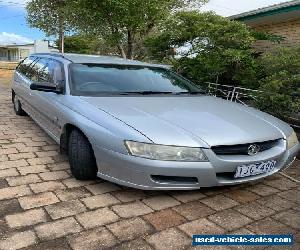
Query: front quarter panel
102	129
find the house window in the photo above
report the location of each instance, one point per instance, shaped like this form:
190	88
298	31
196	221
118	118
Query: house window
3	53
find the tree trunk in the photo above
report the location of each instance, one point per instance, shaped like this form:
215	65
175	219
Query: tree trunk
61	37
130	44
122	52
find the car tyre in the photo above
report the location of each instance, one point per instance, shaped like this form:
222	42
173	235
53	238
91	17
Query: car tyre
81	156
17	106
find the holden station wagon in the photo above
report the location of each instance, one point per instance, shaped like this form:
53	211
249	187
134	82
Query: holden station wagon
144	126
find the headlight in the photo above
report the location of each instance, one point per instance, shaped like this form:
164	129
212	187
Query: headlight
165	153
292	140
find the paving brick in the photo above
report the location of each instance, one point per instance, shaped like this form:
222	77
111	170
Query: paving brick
194	210
201	226
3	158
6	151
13	164
19	156
230	219
65	208
72	193
72	182
9	207
59	166
269	226
103	187
138	244
57	229
255	210
28	150
219	202
187	196
56	175
292	195
40	161
263	190
290	218
46	186
165	219
57	244
22	180
98	238
97	218
46	153
161	202
18	240
102	200
33	169
8	172
130	229
28	218
35	144
241	196
132	209
281	183
14	192
38	200
129	195
166	240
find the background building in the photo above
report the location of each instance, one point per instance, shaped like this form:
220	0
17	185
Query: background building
17	52
280	19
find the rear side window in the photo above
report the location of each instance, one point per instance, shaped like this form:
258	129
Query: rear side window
40	71
24	66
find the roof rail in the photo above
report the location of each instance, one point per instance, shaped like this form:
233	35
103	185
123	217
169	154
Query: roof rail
49	54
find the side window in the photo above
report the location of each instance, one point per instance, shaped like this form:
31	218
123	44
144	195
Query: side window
56	72
24	66
40	71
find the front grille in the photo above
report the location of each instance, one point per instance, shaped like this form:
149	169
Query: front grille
242	149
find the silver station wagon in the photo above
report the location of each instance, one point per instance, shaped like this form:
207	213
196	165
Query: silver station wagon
144	126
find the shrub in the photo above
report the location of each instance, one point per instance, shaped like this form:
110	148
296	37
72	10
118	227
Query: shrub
280	82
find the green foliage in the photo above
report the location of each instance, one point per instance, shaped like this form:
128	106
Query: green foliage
215	47
280	83
123	23
48	15
83	44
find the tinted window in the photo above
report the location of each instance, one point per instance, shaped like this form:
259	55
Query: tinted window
40	71
24	66
93	79
56	72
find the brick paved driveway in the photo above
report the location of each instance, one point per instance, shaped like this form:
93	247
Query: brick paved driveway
43	207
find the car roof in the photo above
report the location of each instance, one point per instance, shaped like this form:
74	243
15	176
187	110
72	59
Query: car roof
96	59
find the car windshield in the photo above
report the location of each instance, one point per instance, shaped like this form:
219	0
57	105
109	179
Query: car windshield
96	79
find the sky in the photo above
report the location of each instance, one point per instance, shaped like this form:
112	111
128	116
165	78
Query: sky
14	29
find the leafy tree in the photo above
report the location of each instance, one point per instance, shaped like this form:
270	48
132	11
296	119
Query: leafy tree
280	82
206	47
84	44
49	16
123	24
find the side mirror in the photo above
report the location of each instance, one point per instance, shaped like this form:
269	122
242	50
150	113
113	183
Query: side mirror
47	88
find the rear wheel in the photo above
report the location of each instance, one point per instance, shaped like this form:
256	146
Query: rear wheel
81	157
17	106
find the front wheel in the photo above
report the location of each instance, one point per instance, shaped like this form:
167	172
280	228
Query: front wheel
17	106
81	157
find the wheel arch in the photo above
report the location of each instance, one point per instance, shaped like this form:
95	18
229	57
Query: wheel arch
65	135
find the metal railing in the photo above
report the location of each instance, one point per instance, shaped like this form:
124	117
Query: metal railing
235	94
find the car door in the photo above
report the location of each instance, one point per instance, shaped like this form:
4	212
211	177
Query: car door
46	104
22	81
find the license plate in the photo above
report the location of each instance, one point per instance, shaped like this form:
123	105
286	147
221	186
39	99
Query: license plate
255	169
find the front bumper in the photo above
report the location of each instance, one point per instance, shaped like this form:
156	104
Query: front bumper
139	173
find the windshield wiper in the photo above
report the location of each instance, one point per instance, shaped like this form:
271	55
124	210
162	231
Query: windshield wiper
190	93
148	92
